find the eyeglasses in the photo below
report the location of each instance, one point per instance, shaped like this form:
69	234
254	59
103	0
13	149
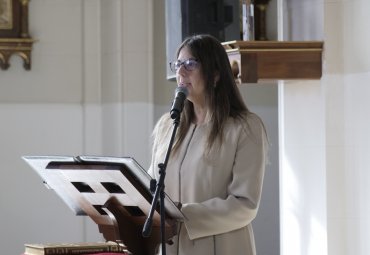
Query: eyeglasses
189	64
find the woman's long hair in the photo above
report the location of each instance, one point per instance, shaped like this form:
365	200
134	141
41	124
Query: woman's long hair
222	98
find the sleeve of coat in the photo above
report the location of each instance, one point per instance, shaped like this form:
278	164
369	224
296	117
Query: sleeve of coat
216	215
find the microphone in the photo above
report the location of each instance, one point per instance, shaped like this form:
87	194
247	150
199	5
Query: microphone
178	103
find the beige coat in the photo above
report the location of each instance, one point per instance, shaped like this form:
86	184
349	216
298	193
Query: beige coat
220	192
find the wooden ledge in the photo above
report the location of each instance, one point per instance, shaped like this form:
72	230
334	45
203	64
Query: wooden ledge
276	60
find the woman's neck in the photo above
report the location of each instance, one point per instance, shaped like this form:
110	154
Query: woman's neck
201	115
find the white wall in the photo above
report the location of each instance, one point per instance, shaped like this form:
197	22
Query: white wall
88	92
302	141
348	138
262	98
302	168
324	134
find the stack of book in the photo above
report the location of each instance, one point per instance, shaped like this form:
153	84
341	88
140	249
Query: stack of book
104	248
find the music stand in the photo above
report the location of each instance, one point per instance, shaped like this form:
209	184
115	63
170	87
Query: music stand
113	191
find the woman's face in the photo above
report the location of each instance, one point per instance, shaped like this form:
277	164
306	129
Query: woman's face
192	79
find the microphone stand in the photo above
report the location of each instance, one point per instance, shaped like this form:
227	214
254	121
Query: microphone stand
159	191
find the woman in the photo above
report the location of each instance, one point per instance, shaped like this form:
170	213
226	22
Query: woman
217	163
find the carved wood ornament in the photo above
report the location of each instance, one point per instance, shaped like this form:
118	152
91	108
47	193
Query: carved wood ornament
14	36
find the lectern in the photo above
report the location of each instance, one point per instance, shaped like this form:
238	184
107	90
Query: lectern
113	191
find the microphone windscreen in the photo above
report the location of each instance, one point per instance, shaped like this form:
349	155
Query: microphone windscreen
183	90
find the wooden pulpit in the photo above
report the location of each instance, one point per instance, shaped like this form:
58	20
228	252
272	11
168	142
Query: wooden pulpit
113	191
